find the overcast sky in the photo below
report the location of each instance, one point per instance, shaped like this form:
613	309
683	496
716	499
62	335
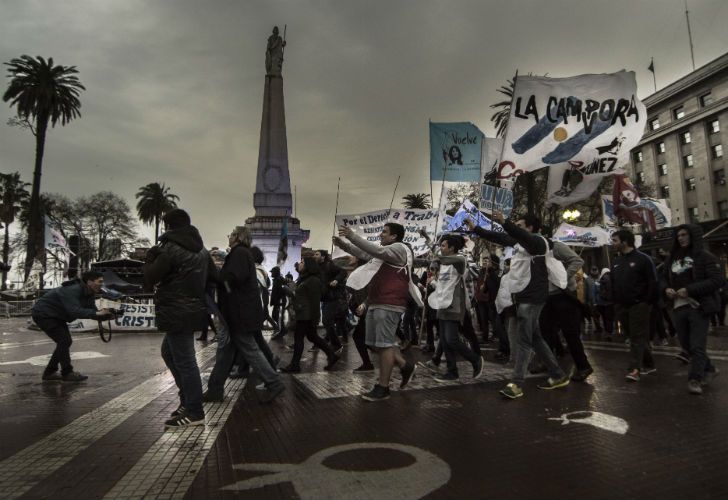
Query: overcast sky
174	88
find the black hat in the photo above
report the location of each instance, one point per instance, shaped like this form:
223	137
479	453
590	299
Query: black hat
176	219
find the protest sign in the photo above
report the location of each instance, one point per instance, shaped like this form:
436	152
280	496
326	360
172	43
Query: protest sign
589	122
455	152
136	317
491	156
581	236
493	198
659	209
467	210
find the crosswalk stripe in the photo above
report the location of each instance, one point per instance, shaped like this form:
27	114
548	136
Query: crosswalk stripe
22	471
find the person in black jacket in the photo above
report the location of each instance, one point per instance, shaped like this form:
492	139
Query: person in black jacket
278	301
54	310
306	304
179	267
691	280
238	295
634	291
333	302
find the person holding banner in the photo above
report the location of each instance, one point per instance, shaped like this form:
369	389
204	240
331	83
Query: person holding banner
533	266
388	272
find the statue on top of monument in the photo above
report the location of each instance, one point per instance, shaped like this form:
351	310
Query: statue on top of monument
274	53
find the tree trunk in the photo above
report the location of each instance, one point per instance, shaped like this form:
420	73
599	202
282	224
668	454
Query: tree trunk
35	229
530	193
6	256
156	229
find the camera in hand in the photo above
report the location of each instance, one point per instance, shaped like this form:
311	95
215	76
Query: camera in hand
117	311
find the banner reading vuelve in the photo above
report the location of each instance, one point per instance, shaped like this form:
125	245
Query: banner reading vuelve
455	152
588	122
369	225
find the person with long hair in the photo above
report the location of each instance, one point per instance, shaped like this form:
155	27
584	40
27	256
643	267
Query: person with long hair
308	313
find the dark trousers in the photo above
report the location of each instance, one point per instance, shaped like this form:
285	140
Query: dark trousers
452	345
244	366
247	347
607	314
563	312
635	320
57	330
481	310
692	328
408	324
359	336
178	353
657	323
307	329
279	313
334	320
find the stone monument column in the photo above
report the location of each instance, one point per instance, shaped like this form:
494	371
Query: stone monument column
272	199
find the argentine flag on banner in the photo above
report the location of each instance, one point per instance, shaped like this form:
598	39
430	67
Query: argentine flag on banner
455	152
588	123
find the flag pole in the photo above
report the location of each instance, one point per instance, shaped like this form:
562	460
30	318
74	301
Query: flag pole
654	78
690	34
429	122
336	213
391	203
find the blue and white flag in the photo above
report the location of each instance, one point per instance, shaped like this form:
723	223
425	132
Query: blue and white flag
588	122
659	209
455	152
468	210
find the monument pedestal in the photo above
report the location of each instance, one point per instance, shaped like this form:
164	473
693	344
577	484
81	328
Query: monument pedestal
266	231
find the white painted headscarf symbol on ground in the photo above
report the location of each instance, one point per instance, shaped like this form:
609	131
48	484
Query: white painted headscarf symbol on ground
595	419
43	360
313	480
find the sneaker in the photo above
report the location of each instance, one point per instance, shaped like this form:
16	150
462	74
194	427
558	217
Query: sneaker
647	371
180	409
430	365
73	377
710	376
663	342
261	386
554	383
511	391
581	375
51	377
291	369
626	342
683	356
237	375
364	368
339	350
478	367
332	361
633	375
446	377
212	397
184	420
378	393
408	371
694	387
268	395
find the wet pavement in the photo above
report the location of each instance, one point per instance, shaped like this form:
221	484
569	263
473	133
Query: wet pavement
607	438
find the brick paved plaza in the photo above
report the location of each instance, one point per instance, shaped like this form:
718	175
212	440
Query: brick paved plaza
105	438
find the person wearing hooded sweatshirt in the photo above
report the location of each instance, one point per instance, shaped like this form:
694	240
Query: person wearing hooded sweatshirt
179	267
691	279
238	296
306	304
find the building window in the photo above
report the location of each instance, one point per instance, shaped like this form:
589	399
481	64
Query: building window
694	214
678	113
665	191
706	99
688	161
654	124
640	177
660	147
714	127
685	137
719	177
662	168
723	209
717	151
638	156
690	184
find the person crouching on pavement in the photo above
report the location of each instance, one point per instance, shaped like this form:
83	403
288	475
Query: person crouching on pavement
691	280
180	266
53	311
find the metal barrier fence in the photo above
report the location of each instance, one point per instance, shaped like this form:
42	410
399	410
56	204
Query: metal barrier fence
10	308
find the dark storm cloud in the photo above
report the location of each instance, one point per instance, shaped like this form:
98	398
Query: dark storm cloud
175	87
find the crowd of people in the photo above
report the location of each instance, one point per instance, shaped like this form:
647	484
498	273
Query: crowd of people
529	296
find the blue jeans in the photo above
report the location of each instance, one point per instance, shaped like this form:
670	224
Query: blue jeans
246	345
452	345
529	338
692	328
178	352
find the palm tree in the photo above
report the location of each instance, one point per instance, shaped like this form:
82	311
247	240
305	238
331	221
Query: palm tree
41	93
500	117
154	201
417	200
13	193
